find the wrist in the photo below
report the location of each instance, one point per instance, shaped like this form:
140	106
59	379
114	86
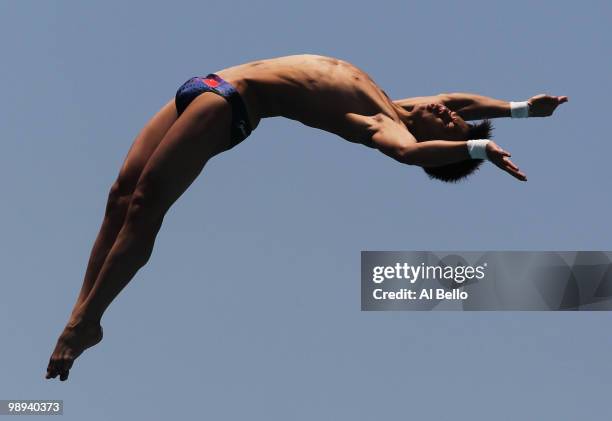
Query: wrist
477	148
519	109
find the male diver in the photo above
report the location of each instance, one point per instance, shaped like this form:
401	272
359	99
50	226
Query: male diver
212	114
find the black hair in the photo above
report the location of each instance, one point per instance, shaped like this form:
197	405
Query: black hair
457	171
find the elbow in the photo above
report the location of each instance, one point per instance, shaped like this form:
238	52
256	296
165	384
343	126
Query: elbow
406	155
445	98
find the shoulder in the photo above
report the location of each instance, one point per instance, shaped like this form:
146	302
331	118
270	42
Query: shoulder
365	128
369	124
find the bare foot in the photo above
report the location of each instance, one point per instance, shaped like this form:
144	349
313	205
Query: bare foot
76	338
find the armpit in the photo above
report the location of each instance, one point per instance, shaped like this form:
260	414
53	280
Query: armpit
359	128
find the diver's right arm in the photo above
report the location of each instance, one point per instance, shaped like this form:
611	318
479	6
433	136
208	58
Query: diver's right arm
393	139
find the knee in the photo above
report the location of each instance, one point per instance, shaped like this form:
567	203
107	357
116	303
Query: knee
118	201
145	209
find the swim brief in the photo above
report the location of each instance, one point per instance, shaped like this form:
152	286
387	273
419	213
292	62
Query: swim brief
240	126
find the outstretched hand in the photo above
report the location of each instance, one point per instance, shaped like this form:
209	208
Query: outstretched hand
501	158
544	105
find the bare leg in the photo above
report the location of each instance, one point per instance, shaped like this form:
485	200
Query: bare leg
116	209
121	192
200	133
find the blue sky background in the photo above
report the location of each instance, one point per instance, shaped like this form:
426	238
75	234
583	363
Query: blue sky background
250	307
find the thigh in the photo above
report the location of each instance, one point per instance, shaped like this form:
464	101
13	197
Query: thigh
143	147
201	132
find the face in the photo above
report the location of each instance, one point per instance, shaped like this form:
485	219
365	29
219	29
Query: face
435	121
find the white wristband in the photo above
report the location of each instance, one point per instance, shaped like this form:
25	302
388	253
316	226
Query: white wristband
478	148
519	109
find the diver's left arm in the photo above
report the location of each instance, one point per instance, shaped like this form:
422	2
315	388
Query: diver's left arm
477	107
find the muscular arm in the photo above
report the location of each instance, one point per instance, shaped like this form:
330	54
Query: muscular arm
468	106
478	107
393	139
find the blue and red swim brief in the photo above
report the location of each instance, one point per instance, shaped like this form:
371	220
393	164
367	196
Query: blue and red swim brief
241	127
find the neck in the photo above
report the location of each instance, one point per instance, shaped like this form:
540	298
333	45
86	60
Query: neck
407	117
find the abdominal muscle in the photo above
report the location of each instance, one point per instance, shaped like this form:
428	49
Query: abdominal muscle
316	90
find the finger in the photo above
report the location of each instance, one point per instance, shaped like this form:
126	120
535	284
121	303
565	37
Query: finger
562	99
64	375
511	164
516	174
508	167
